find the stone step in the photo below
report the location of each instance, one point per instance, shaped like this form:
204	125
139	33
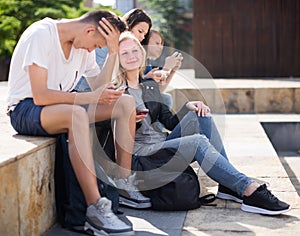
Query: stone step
26	179
27	205
242	96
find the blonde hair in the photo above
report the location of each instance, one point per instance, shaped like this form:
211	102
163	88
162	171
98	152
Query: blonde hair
120	79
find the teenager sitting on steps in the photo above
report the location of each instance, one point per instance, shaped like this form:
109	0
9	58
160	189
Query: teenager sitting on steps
192	128
47	62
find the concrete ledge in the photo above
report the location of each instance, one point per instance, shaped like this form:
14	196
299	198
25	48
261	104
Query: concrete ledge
27	203
241	96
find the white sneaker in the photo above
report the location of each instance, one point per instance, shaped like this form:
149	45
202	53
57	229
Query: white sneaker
130	195
100	220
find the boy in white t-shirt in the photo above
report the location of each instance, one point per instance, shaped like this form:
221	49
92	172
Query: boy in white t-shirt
47	63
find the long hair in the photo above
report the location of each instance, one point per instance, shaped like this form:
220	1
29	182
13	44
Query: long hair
135	16
120	79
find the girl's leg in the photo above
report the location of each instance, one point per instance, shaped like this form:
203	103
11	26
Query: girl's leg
193	124
198	148
218	167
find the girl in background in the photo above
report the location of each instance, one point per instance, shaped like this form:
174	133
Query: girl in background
164	74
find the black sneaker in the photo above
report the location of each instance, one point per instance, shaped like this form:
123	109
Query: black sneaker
262	201
227	194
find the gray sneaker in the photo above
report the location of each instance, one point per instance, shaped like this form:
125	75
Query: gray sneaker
100	220
129	195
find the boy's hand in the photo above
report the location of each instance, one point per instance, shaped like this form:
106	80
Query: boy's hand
107	94
111	35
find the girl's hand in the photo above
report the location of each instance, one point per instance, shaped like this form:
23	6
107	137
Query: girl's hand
173	61
152	75
139	117
199	107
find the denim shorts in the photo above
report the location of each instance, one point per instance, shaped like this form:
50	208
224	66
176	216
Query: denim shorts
26	118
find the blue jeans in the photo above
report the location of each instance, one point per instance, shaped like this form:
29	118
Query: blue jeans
198	139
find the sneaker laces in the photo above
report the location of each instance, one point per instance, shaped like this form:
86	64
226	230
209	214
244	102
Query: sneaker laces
103	206
267	193
130	185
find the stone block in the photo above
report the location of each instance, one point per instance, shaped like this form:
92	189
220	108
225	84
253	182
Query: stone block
27	202
238	100
274	100
180	97
9	210
36	191
297	100
212	97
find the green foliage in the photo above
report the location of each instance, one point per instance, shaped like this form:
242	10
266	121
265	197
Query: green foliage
17	15
170	19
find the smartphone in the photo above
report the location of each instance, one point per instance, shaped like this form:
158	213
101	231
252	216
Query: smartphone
121	88
142	112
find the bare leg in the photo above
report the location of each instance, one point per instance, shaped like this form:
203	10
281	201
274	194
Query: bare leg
123	111
74	120
251	188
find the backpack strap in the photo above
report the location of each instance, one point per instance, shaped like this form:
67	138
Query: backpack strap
206	200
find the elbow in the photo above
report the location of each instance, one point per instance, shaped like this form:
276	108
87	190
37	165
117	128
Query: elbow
40	99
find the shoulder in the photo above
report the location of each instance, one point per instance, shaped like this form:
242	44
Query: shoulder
41	30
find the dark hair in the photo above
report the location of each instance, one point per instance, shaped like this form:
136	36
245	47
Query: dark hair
95	16
135	16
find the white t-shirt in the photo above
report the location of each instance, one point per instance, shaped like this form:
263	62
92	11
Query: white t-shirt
40	44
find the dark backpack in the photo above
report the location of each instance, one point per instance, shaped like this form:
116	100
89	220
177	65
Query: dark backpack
180	189
182	193
70	201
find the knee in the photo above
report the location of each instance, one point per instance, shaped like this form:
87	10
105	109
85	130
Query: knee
201	138
127	103
79	114
205	121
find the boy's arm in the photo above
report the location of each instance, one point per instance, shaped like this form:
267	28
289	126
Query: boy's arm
44	96
112	40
